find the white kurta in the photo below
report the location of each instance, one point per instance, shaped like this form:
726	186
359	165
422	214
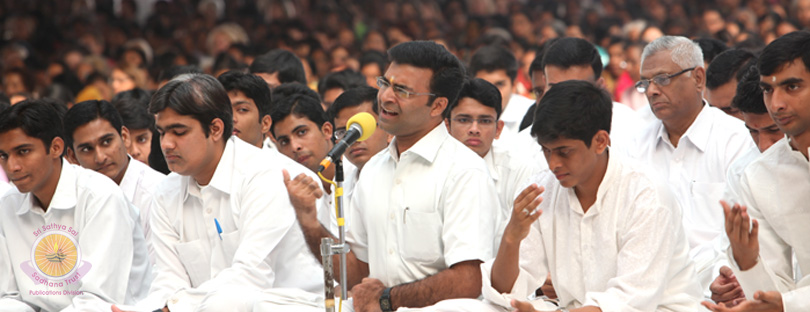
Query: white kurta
513	115
625	124
776	189
139	185
90	208
696	173
418	214
261	245
628	252
510	172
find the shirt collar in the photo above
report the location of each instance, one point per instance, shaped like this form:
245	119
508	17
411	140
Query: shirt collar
64	197
221	179
489	159
130	180
427	147
698	132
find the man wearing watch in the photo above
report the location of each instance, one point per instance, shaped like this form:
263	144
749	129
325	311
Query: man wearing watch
424	211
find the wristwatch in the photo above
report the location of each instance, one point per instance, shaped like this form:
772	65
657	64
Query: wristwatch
385	301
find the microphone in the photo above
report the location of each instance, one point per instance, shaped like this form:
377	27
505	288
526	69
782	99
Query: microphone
359	127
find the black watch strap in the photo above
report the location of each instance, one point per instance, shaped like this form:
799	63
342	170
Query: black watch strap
385	301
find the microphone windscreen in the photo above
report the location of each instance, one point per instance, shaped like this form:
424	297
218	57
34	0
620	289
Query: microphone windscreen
366	122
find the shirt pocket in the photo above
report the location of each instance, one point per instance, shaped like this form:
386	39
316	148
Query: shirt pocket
421	236
230	243
192	255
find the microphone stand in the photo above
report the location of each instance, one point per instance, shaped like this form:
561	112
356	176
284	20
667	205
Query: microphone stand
328	249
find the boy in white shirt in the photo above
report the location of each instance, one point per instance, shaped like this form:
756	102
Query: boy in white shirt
610	240
69	239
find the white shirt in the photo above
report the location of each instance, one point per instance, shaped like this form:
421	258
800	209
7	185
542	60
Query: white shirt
776	189
139	184
88	208
513	114
418	214
510	172
625	124
4	187
628	252
696	173
261	245
735	172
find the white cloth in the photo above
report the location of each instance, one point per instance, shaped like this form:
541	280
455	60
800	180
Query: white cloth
418	213
4	187
261	245
628	252
139	185
90	208
735	172
510	172
696	171
625	124
513	115
776	189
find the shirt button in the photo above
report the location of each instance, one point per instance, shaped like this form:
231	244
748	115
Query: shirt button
399	181
174	300
208	211
390	251
392	216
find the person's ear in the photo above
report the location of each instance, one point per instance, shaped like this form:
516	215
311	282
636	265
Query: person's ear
267	122
447	123
57	147
699	74
600	83
438	106
600	141
216	129
126	137
499	129
71	156
327	129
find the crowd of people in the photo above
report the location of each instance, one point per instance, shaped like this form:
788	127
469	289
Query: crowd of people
615	155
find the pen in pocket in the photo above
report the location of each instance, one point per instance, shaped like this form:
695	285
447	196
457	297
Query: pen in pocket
219	228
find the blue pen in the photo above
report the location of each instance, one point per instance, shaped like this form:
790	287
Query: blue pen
219	228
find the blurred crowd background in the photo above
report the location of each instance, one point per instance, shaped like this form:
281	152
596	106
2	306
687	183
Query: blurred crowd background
75	50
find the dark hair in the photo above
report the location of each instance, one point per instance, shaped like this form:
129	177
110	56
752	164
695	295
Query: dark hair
572	109
494	57
252	86
537	63
345	79
569	52
197	95
292	88
178	70
725	66
448	72
35	118
27	79
87	111
374	57
299	105
58	92
482	91
352	98
59	106
156	159
224	61
133	106
748	98
285	63
785	50
711	48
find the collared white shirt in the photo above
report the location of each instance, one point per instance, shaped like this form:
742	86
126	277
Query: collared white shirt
260	247
510	172
513	114
89	208
735	172
628	252
776	190
419	213
696	171
4	187
139	184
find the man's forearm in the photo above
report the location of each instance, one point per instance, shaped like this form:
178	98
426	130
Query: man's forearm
462	280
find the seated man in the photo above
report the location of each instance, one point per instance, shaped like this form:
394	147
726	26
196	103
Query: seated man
475	121
133	107
222	225
69	239
610	240
95	138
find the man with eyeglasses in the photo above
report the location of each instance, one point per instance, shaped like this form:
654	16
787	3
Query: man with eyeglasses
422	217
691	145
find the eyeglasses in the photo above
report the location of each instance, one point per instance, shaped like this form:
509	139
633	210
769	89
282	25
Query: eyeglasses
467	121
661	80
400	92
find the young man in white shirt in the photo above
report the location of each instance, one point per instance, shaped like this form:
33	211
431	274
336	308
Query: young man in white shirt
69	239
769	225
223	229
95	138
691	145
133	106
722	77
497	65
610	240
422	217
474	120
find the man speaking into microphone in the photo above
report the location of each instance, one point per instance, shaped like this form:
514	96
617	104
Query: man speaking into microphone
422	216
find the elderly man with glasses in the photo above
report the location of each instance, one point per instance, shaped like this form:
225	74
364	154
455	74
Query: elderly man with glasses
691	145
